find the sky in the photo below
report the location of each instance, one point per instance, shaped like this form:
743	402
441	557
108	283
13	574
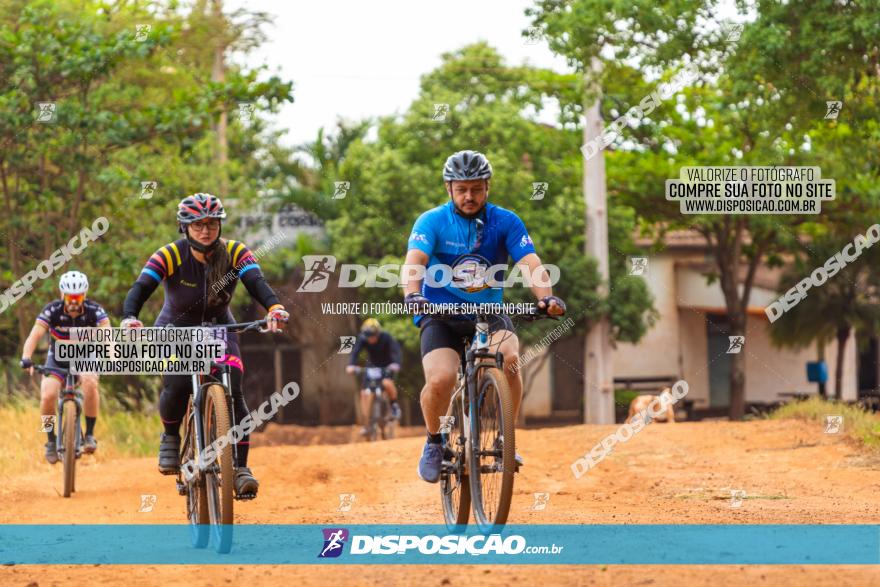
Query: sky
363	59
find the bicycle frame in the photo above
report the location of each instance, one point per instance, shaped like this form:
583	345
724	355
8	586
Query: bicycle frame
199	383
70	391
472	361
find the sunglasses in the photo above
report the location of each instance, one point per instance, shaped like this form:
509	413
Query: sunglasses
74	298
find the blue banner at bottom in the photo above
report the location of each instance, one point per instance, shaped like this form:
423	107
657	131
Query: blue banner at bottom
430	544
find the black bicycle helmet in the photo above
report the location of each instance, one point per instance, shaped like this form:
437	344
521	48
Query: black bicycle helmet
466	165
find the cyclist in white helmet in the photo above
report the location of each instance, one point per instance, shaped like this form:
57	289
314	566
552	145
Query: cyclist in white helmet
73	310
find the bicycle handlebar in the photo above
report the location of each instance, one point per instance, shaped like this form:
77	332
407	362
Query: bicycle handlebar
242	326
531	316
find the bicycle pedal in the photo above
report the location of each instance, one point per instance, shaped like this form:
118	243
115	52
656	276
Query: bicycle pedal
246	496
181	488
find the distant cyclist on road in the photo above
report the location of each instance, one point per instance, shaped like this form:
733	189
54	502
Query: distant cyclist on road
382	351
469	234
73	310
192	270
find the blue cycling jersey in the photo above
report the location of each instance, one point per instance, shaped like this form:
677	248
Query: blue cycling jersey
469	250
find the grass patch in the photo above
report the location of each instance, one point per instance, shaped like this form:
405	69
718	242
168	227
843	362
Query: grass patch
120	433
859	424
624	397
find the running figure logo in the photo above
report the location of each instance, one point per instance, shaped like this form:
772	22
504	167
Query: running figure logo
833	424
47	423
736	344
539	190
148	188
446	424
340	189
440	112
45	111
639	265
541	500
334	539
147	503
346	345
833	107
346	500
736	497
142	31
318	269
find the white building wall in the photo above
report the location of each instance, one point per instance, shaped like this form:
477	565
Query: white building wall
658	351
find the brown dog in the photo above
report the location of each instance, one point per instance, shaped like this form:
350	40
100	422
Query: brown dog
641	402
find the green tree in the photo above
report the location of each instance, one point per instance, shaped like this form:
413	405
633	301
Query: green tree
848	300
492	108
729	116
128	109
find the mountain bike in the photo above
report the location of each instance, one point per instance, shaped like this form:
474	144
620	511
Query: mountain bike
69	440
381	421
209	487
479	439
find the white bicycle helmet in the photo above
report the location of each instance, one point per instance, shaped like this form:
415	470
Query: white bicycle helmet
74	282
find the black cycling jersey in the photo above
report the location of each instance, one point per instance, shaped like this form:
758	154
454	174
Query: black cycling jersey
60	322
383	353
186	285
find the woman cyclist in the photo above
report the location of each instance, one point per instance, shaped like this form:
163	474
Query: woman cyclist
200	273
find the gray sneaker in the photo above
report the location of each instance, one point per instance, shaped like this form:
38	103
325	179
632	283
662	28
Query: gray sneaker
51	453
90	445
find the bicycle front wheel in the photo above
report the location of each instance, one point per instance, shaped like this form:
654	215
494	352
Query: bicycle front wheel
219	476
68	439
196	493
493	451
455	491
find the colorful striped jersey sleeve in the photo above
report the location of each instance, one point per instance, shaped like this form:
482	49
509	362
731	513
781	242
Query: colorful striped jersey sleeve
243	259
161	264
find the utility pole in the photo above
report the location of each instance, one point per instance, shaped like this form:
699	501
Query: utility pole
218	74
598	372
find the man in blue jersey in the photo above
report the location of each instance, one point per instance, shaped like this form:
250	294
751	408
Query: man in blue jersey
469	235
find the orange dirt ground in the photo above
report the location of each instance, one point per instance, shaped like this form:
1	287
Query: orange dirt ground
790	470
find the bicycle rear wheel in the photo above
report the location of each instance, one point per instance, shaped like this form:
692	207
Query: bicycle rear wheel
196	493
219	476
455	491
390	429
375	419
68	439
493	447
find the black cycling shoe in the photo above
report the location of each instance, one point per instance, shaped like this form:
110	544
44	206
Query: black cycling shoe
51	453
246	484
169	455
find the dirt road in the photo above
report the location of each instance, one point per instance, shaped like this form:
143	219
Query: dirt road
790	471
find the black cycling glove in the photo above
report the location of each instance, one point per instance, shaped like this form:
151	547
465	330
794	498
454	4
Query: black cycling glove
546	301
415	303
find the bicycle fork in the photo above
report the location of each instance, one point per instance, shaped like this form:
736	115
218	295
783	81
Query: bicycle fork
67	394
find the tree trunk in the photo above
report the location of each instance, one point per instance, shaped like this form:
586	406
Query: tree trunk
738	371
218	74
12	241
842	337
822	387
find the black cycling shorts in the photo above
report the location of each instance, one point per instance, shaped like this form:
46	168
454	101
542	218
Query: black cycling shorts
452	334
59	369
